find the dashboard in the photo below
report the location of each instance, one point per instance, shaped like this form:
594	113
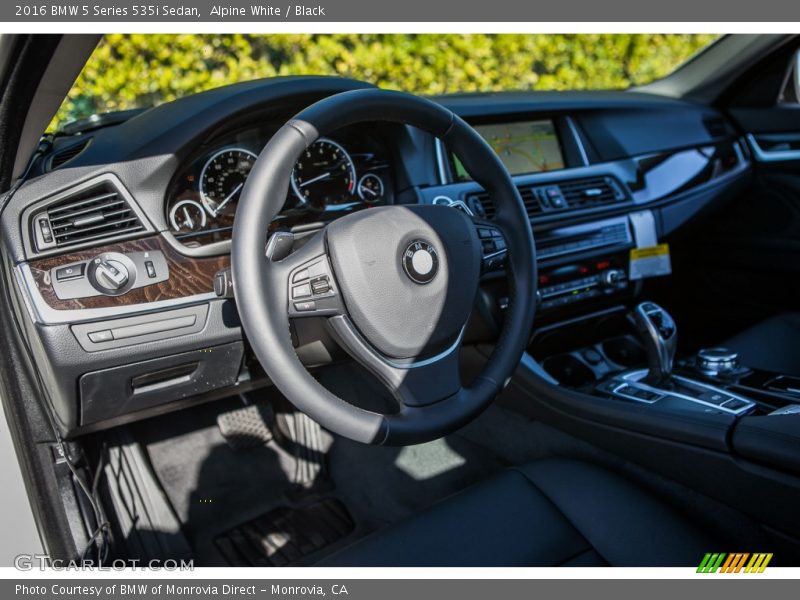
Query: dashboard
117	241
339	174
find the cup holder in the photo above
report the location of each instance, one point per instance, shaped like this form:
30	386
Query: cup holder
568	370
625	351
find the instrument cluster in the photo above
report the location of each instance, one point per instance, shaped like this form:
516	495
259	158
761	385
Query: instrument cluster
335	175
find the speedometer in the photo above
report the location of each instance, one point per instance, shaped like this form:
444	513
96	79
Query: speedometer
222	180
324	174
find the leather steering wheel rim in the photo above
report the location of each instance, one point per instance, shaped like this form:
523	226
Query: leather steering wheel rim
263	286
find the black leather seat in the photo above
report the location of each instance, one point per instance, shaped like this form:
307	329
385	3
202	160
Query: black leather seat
772	345
552	512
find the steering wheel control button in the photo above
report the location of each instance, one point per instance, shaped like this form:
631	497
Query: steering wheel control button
493	248
320	285
301	291
70	272
311	290
420	261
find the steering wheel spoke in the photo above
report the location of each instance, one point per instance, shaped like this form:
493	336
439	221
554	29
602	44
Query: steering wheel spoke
414	383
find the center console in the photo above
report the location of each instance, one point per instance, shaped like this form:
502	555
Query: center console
583	263
630	357
612	377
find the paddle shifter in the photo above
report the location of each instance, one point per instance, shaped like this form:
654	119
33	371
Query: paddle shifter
660	337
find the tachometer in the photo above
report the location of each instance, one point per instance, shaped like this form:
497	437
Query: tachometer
222	180
324	174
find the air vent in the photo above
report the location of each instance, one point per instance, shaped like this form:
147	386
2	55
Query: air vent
481	205
575	194
62	157
97	212
590	193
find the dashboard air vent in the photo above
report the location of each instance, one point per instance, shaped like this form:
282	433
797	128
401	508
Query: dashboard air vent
574	194
97	212
592	192
481	205
63	156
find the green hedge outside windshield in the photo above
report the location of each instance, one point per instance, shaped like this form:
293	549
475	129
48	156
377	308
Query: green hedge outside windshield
129	71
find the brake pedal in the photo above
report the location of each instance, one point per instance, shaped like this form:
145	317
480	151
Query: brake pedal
246	427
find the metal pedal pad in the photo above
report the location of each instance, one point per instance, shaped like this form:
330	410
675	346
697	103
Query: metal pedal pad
310	444
246	427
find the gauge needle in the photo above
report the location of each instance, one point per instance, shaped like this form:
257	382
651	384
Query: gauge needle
228	199
188	217
315	179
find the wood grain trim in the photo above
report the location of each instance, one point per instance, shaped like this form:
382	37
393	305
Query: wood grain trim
188	275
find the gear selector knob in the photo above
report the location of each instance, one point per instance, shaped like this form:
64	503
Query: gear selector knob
660	337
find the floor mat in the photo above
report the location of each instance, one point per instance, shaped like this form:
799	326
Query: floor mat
213	488
284	536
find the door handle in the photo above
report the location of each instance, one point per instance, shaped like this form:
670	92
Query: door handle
778	140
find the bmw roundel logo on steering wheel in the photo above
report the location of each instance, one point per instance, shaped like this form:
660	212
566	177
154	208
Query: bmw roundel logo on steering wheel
420	261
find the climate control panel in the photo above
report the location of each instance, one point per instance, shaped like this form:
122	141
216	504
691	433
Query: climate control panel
109	274
568	284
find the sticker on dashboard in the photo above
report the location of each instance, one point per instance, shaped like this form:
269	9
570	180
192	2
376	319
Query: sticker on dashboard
652	261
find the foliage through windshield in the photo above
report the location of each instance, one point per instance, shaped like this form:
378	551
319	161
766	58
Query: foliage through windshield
131	71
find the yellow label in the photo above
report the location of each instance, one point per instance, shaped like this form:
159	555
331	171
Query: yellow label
650	252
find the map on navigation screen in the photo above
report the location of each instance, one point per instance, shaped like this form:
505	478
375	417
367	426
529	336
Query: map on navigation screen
524	147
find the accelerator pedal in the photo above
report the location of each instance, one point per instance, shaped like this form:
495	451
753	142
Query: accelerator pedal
310	444
246	427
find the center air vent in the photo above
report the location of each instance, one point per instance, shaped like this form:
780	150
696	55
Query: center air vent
574	194
97	212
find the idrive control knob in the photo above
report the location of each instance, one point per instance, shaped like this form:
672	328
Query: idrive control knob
717	361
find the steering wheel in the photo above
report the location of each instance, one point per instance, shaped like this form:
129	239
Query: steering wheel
395	283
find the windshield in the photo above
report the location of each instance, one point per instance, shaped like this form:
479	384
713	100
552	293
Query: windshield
135	71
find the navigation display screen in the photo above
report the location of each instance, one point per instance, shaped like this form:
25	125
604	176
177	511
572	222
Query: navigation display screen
523	146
